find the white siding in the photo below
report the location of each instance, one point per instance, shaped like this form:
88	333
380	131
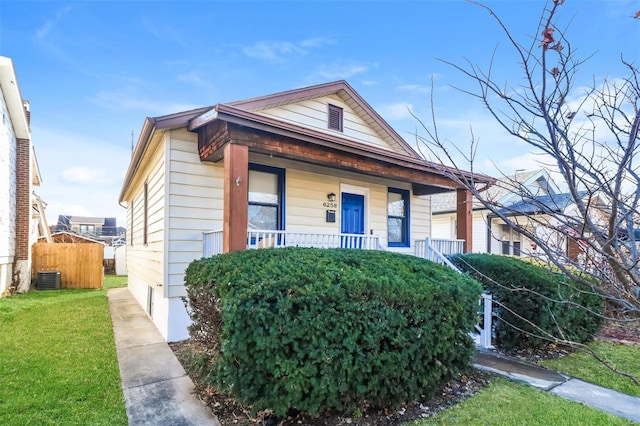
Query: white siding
444	226
307	187
195	205
145	262
479	232
312	113
7	196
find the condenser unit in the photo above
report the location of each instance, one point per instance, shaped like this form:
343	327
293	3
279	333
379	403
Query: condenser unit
48	280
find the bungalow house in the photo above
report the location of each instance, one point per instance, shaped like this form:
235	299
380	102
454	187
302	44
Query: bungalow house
315	166
22	217
520	195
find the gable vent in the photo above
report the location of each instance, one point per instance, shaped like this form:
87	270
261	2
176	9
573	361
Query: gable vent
335	118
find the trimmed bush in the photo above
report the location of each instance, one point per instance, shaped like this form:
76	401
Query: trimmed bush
563	308
331	329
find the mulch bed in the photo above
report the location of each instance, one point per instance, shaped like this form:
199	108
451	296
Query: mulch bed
229	412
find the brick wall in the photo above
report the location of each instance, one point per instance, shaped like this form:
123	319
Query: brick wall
23	198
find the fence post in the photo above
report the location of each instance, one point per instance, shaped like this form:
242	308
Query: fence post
485	334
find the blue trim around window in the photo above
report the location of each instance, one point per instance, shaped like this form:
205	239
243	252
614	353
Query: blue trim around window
406	238
281	189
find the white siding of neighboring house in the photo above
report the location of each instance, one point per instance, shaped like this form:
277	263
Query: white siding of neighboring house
312	113
479	231
7	197
526	245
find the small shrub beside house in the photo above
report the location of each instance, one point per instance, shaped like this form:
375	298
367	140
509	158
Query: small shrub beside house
534	305
330	329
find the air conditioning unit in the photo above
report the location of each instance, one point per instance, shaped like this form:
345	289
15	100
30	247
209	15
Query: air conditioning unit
48	280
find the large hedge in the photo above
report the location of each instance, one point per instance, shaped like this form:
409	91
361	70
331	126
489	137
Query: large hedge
532	297
331	329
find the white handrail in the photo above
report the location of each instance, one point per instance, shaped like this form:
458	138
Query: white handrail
212	243
268	239
436	250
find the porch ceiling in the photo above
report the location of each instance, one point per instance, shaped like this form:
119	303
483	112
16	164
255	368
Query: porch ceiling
426	178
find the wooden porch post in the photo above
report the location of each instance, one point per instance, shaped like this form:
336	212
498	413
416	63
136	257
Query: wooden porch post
464	218
236	191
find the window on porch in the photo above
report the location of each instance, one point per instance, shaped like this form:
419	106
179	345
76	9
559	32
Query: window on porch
398	217
266	192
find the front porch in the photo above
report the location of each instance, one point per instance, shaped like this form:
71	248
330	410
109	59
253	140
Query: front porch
433	249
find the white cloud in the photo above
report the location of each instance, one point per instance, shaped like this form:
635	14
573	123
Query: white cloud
84	175
338	71
81	174
274	51
397	111
43	32
416	88
129	99
316	42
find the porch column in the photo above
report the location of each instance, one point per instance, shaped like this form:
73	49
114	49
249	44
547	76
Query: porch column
464	218
236	192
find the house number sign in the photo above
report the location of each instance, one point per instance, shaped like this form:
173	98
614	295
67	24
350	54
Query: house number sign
330	205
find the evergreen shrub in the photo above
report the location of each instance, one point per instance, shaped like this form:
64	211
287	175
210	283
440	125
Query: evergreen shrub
331	329
534	296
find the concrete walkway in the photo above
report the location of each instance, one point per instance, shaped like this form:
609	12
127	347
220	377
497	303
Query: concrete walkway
157	390
611	401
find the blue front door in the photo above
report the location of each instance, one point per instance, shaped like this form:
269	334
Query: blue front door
352	219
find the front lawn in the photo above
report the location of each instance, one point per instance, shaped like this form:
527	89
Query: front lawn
584	366
58	362
509	403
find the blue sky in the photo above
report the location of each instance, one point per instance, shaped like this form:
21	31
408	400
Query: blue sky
93	70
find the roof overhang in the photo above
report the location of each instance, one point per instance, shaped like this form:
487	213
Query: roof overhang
13	98
227	124
149	128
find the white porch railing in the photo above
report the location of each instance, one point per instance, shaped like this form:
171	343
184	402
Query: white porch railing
436	250
267	239
211	243
212	240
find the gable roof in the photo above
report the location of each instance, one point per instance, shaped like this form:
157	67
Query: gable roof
65	237
541	204
504	191
346	93
246	113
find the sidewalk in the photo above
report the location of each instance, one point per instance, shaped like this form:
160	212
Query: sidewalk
157	390
611	401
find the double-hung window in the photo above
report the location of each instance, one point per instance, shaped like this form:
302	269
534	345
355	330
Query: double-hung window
398	217
266	194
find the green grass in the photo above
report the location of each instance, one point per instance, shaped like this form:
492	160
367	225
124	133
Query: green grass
584	366
507	403
58	362
114	281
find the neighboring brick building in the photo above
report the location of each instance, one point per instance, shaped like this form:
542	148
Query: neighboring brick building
22	217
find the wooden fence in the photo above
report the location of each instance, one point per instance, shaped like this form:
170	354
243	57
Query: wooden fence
80	265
